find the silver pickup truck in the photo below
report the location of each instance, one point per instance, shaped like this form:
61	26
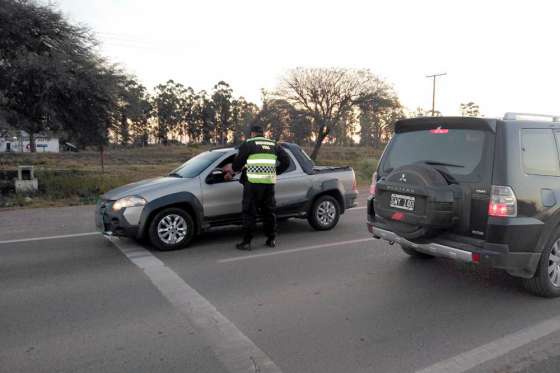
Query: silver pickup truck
172	210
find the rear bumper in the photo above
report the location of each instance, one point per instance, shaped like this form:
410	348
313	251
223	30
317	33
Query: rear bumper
430	248
519	264
350	200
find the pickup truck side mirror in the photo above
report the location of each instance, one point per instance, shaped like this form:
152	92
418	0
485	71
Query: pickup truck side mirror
216	176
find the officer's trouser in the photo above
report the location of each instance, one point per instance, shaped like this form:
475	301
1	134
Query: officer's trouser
258	198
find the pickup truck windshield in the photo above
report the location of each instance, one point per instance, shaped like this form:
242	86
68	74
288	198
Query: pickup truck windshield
194	166
460	151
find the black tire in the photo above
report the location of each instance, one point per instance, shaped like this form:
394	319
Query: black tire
171	213
416	254
317	218
542	284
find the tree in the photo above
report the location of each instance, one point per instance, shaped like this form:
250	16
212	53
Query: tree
378	110
326	95
420	112
205	113
133	109
222	104
301	130
50	74
276	117
167	103
470	109
345	130
242	115
188	109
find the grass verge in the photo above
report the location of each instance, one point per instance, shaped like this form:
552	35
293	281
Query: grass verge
67	179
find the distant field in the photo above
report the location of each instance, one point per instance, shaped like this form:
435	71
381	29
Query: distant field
76	178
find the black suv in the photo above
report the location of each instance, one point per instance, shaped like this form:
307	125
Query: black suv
475	190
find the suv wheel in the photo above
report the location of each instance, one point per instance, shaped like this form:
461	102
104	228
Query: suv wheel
416	254
172	229
324	214
546	281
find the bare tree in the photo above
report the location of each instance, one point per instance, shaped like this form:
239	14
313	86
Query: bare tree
327	95
470	109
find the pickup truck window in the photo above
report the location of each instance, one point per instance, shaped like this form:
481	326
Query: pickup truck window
194	166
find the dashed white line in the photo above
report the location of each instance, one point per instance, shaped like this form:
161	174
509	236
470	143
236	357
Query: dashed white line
50	237
490	351
357	208
290	251
235	350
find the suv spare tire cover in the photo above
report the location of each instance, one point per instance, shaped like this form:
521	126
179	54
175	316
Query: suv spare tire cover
435	206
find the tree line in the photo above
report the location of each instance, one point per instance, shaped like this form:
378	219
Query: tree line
52	78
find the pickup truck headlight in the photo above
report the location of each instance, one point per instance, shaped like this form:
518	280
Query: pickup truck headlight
130	201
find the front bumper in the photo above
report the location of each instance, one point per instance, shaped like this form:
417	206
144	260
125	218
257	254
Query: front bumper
116	223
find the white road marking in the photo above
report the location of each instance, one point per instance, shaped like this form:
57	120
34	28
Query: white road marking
290	251
235	350
357	208
490	351
96	233
51	237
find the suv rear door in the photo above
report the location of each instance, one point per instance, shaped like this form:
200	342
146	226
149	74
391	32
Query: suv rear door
461	148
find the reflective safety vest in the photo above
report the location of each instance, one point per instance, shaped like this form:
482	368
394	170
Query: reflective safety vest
261	165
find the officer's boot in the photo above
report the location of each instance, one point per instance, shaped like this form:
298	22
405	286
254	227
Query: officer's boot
271	242
244	245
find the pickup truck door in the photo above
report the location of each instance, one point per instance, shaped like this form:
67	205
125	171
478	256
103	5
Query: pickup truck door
221	200
291	188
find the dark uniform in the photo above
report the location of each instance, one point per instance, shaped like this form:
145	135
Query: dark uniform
261	160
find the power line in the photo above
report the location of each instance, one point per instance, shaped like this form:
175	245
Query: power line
434	76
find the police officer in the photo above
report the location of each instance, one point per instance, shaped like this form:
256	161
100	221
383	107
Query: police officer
260	160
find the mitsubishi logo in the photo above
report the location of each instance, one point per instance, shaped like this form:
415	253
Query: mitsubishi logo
403	178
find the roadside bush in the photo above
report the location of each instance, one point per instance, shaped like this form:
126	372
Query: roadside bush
86	186
365	168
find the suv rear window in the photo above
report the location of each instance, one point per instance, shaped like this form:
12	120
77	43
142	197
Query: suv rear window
464	153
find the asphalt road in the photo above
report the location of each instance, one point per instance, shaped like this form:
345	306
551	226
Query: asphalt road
332	301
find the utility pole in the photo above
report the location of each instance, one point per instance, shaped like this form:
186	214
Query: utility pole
434	76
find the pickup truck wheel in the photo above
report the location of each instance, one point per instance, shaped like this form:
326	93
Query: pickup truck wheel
172	229
324	214
416	254
546	282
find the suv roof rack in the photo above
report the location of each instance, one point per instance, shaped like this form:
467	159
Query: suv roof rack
515	116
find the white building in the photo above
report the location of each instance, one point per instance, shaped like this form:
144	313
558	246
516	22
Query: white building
18	142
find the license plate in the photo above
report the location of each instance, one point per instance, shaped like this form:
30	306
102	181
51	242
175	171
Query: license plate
399	201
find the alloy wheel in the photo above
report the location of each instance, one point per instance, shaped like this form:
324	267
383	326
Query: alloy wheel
326	213
554	264
172	229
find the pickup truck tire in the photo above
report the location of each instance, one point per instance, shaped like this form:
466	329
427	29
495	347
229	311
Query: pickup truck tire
324	213
172	229
546	281
416	254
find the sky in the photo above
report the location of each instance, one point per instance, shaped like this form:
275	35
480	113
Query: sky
503	55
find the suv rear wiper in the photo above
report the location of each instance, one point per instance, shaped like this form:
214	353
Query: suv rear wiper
436	163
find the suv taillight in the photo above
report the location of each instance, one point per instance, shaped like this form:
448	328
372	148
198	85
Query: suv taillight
372	187
502	202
